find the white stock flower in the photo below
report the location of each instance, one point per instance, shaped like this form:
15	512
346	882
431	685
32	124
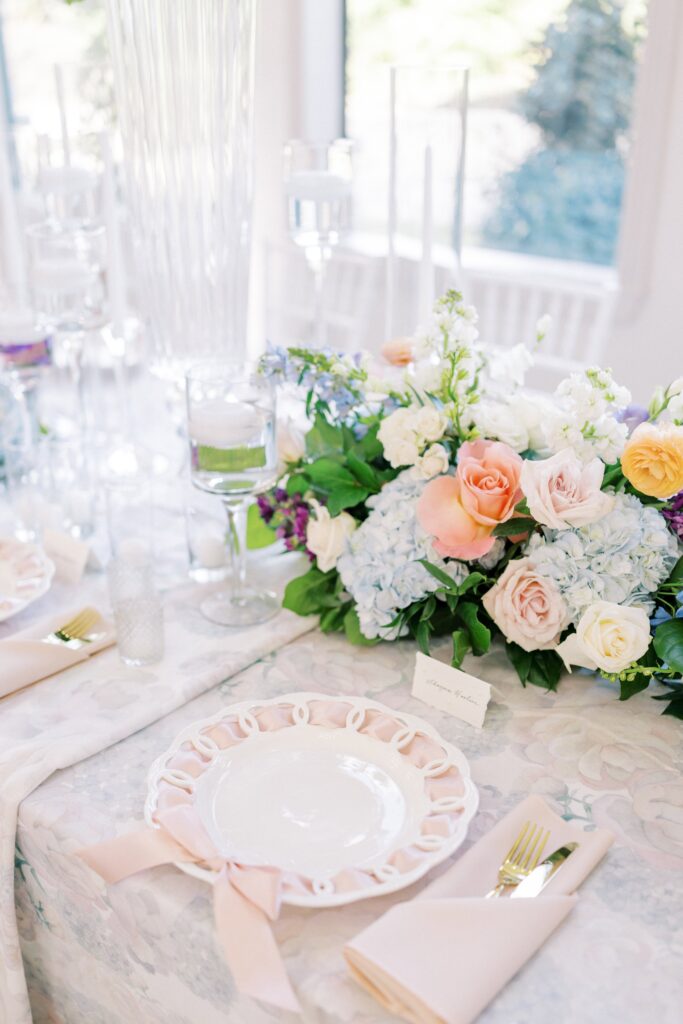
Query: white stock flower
497	420
561	491
608	636
432	463
381	565
326	535
507	367
587	403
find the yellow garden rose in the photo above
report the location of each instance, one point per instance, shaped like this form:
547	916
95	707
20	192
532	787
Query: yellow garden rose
653	460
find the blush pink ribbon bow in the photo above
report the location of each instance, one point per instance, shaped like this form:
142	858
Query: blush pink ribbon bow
245	899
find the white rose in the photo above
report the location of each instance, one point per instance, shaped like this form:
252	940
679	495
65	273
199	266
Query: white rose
562	492
497	420
609	637
402	452
326	535
395	427
432	463
527	607
429	423
291	442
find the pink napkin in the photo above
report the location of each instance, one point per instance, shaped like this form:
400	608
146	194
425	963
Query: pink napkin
25	657
442	957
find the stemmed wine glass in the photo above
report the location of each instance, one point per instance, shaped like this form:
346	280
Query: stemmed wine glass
318	186
231	430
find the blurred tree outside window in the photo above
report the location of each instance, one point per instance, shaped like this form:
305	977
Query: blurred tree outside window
551	95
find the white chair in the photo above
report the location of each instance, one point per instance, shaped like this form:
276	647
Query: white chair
351	284
510	302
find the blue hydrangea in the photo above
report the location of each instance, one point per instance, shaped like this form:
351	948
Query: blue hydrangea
381	568
622	557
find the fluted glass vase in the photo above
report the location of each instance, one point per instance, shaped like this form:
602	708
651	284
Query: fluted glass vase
183	72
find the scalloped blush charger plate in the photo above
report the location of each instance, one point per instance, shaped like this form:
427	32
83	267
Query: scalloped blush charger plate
346	797
25	575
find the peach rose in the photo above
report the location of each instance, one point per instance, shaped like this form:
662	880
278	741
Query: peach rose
489	473
653	460
527	608
561	491
460	512
398	351
455	533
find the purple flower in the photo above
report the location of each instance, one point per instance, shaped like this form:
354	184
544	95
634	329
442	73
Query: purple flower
632	416
673	514
288	515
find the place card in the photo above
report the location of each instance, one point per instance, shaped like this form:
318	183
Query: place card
69	555
448	689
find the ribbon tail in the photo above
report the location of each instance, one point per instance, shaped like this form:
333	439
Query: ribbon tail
136	851
250	948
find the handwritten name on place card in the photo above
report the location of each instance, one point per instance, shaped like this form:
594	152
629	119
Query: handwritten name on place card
448	689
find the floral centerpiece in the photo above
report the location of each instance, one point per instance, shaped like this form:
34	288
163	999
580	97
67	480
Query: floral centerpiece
435	496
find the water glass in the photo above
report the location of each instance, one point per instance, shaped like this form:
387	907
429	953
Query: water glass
67	274
231	430
206	541
138	612
68	482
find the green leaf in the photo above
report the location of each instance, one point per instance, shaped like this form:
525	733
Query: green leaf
365	474
669	643
310	593
522	507
353	630
345	497
461	646
332	619
479	634
471	582
631	686
677	572
428	610
323	438
422	636
259	534
441	576
546	669
522	524
675	709
328	473
297	484
521	661
368	446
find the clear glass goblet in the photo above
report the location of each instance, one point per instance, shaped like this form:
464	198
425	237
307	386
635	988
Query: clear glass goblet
318	186
231	430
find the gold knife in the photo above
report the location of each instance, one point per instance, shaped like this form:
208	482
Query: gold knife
541	875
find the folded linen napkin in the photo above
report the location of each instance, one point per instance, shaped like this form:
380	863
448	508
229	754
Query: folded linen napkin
442	957
25	657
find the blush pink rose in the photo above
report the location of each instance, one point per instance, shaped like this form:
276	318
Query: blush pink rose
455	533
527	608
488	474
398	351
561	491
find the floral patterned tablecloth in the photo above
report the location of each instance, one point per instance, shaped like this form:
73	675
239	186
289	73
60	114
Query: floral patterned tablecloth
145	950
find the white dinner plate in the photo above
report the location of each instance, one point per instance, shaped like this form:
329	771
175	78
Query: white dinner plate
346	797
25	575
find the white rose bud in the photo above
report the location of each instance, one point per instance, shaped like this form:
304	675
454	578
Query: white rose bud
432	463
401	453
429	423
291	442
326	535
609	637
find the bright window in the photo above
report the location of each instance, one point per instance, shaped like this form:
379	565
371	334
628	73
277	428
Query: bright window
551	93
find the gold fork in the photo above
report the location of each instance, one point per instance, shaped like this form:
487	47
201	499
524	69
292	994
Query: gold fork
74	634
521	858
